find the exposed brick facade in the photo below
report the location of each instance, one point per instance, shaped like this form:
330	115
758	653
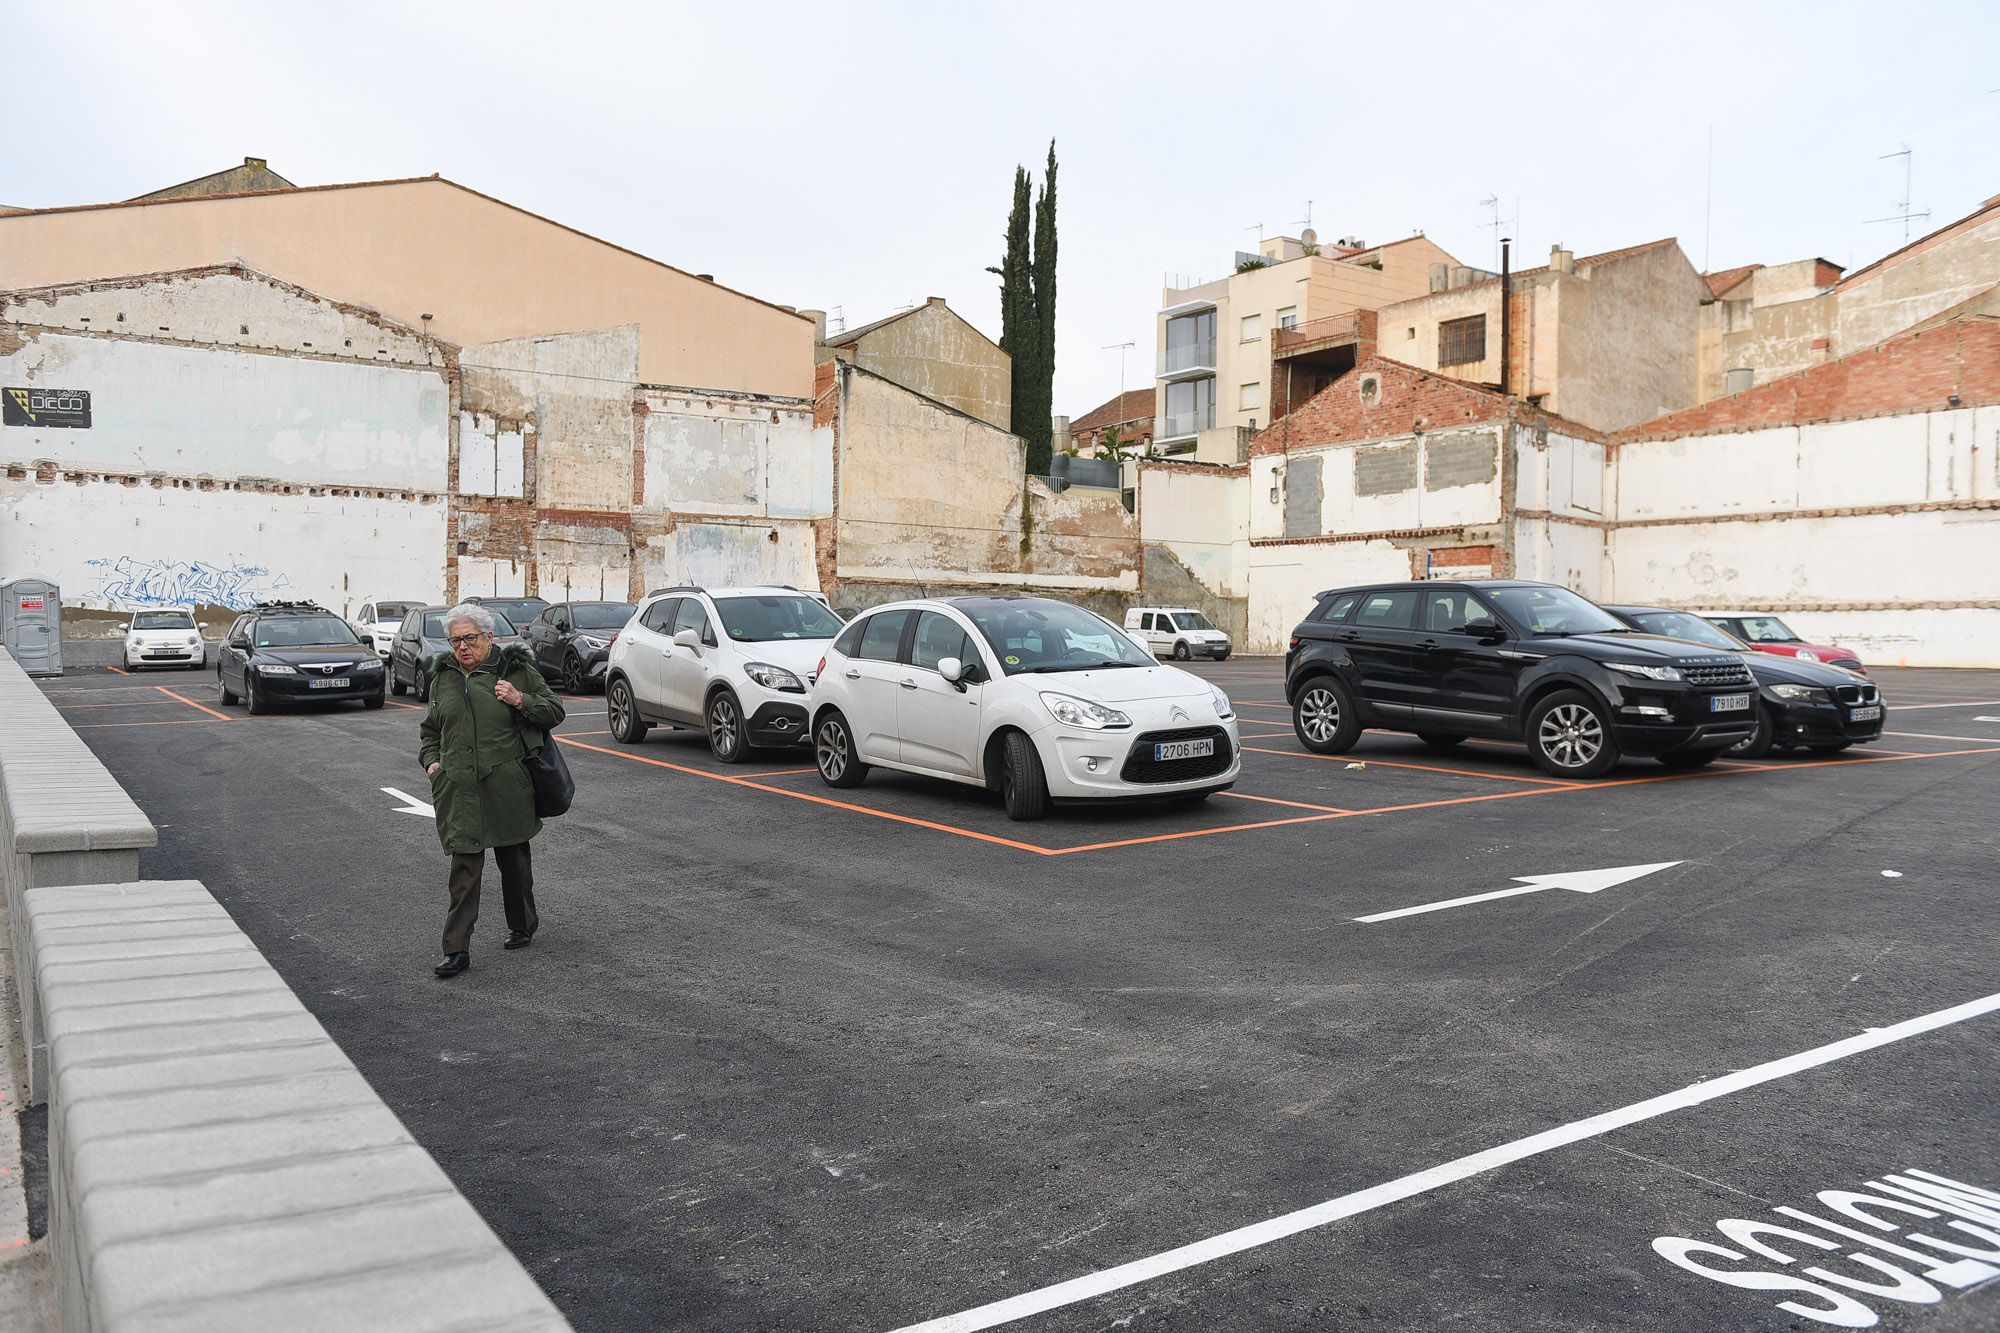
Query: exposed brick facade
1405	400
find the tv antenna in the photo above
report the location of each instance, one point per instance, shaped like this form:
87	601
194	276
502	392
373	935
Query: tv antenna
1903	213
1492	203
1257	227
1121	349
1307	220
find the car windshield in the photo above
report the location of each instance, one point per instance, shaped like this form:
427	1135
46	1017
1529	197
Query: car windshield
1033	635
601	615
393	610
304	632
502	627
1192	620
518	610
1767	629
775	616
1555	611
163	620
1682	625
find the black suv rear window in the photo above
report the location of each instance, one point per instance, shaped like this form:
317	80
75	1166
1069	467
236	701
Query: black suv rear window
1388	610
1336	609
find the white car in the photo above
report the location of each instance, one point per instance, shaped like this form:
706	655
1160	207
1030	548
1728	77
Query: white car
1179	632
733	661
164	637
379	621
1034	698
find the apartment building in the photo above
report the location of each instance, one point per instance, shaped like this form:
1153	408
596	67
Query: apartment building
1217	338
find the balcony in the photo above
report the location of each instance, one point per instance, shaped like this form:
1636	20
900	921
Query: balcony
1185	425
1307	358
1345	329
1196	358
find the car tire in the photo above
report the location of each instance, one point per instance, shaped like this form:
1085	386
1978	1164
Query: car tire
222	688
1569	736
1688	760
573	679
1759	742
420	685
834	754
1181	653
1222	657
1024	787
253	698
396	682
375	700
1438	740
627	727
1323	716
728	741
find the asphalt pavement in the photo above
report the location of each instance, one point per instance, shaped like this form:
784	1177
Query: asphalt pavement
789	1058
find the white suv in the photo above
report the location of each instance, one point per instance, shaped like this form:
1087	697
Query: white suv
734	662
1033	698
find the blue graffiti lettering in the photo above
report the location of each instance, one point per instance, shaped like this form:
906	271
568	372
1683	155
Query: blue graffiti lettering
129	582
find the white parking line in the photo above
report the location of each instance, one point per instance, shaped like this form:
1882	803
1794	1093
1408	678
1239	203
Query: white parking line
1974	703
1422	1182
1936	736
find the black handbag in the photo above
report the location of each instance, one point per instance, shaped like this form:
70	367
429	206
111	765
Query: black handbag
554	787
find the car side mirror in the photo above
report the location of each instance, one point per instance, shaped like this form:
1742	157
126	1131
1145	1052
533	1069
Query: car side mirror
1482	629
687	638
969	673
240	644
125	628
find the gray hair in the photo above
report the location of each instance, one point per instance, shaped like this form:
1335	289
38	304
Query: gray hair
469	613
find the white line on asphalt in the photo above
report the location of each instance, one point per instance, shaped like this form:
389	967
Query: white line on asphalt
1436	1177
1970	703
1936	736
410	804
1577	881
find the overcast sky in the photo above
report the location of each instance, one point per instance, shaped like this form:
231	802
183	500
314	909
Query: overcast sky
860	156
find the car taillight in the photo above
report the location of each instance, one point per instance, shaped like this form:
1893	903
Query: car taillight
614	636
1295	644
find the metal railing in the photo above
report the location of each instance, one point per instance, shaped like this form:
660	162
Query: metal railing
1188	356
1175	425
1348	326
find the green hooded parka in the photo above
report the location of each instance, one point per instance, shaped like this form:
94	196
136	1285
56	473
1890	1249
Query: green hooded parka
482	792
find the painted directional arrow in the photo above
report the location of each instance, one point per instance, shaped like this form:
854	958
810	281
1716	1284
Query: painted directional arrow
1577	881
411	805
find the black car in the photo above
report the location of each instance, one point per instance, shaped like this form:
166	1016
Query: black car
572	641
422	637
1510	660
295	652
519	610
1801	705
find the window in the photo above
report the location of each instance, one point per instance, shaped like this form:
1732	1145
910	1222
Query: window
694	616
1249	396
1448	609
1146	621
659	617
163	620
1288	318
601	615
850	638
1765	629
1253	328
939	637
1388	610
1190	406
1191	620
882	637
763	619
1190	342
1412	332
1338	608
1462	342
304	632
1036	635
1550	610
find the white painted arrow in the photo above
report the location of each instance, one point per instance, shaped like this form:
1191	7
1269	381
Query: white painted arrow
411	805
1577	881
1986	719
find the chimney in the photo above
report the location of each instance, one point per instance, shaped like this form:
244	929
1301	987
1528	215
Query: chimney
1059	433
706	277
1561	260
933	300
818	317
1506	308
256	162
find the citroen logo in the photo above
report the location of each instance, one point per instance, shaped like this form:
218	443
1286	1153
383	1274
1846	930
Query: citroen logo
1178	714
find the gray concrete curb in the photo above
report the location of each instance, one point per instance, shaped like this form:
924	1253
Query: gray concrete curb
216	1161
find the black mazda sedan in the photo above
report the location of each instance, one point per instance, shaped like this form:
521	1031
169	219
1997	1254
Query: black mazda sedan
295	652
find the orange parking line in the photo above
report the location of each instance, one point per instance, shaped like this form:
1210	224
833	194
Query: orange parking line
1398	763
585	733
1206	832
176	722
220	717
120	670
1299	805
808	796
398	703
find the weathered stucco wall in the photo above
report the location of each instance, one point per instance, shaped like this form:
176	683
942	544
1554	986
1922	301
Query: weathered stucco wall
1445	478
1629	330
941	356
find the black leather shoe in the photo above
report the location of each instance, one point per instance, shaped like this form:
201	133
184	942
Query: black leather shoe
517	939
452	964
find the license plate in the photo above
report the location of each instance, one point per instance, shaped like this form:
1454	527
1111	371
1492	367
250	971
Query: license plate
1728	703
1869	714
337	683
1166	750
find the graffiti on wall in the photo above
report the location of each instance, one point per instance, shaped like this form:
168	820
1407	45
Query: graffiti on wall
129	582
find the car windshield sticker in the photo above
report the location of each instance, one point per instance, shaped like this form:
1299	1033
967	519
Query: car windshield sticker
1013	660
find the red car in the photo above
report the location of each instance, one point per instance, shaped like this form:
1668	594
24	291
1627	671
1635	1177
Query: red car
1768	634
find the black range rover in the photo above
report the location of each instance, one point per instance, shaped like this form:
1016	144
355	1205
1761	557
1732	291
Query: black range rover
1510	660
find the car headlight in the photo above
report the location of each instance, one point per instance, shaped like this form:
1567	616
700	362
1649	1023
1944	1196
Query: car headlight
1646	672
1074	712
774	677
276	669
1806	655
592	644
367	664
194	640
1802	693
1222	708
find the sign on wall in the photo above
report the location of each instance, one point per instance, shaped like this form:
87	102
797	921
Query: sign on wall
46	407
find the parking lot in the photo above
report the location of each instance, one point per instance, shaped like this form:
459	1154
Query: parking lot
786	1057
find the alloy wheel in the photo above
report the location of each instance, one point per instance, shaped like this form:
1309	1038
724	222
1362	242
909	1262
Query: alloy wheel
573	675
1571	735
1319	714
620	703
722	726
830	750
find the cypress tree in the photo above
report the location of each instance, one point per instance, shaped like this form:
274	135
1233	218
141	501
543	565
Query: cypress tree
1041	383
1018	338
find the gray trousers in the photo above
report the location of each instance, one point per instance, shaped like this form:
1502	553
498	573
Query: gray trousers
517	891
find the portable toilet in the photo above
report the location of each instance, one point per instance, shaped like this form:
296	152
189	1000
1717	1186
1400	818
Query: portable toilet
31	624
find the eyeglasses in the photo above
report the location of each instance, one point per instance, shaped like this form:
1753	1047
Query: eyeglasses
464	640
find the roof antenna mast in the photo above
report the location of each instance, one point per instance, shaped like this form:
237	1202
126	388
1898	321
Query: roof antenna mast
1903	213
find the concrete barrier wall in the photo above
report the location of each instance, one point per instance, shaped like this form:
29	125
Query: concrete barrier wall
216	1161
63	820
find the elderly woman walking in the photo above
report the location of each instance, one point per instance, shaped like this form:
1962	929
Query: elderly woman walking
489	709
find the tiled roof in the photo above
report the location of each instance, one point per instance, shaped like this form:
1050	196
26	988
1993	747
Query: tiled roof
1132	405
1727	279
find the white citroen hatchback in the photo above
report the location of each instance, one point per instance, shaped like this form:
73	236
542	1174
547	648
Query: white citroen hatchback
1033	698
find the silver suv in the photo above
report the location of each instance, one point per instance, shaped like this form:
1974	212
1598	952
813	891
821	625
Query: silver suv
735	662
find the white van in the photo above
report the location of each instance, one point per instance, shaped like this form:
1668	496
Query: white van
1180	632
